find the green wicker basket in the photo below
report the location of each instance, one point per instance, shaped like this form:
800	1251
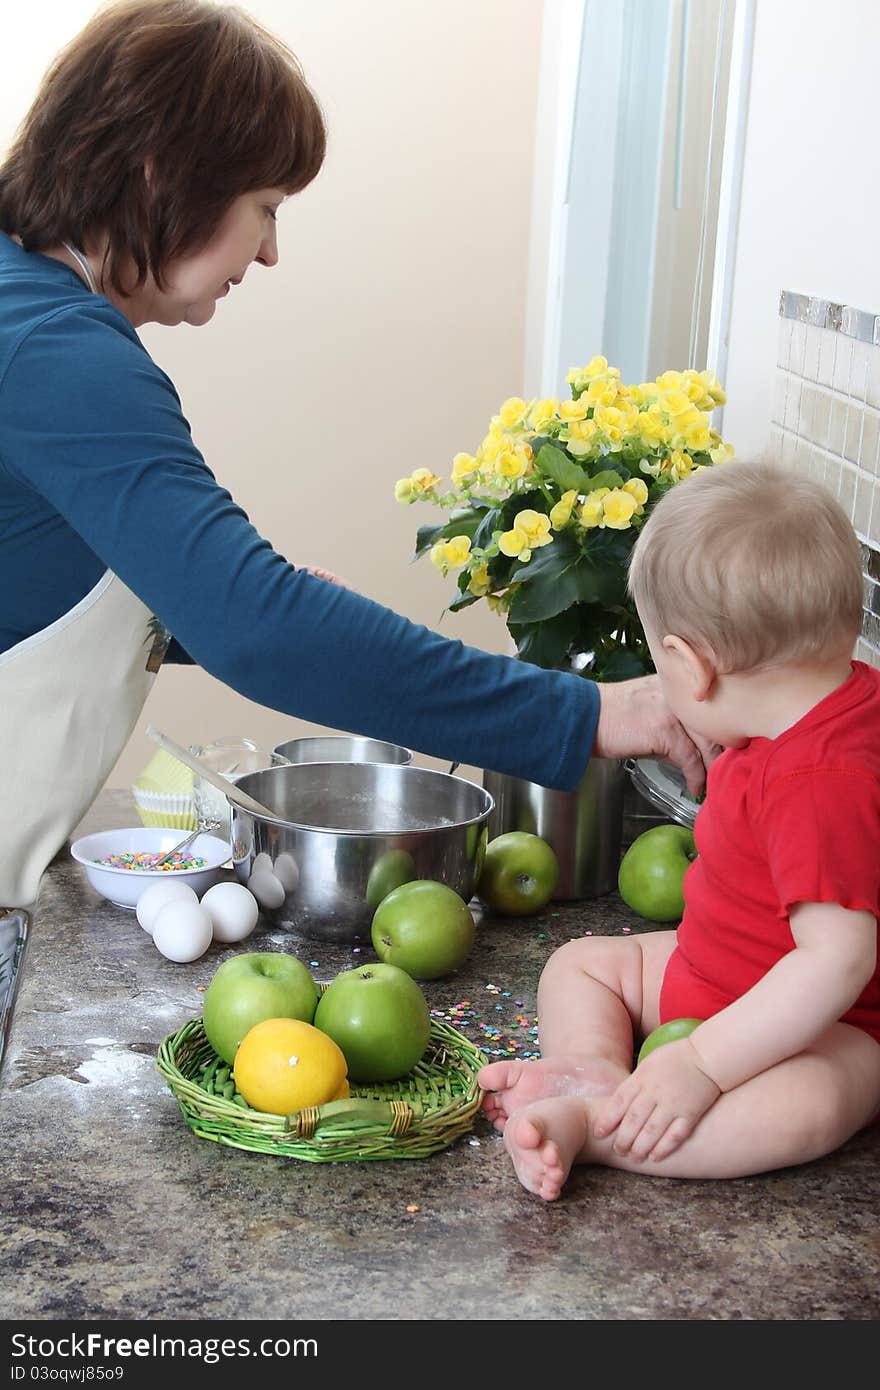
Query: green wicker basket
423	1112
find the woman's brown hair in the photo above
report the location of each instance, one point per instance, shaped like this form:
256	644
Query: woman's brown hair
147	127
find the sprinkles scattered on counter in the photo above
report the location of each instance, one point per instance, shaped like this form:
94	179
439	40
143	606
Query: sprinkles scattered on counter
146	863
515	1034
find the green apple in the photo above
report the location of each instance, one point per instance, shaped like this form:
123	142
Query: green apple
519	875
651	875
379	1017
253	986
666	1033
424	928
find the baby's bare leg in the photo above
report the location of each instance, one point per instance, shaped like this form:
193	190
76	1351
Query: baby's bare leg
797	1111
592	994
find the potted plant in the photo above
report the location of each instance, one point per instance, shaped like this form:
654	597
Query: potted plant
543	516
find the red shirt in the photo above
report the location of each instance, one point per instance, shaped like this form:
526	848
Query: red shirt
786	820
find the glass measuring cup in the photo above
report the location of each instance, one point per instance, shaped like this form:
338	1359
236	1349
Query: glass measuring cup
230	757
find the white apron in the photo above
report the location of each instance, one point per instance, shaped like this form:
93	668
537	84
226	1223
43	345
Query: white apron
70	697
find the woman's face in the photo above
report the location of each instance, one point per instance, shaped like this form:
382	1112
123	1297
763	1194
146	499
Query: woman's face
194	283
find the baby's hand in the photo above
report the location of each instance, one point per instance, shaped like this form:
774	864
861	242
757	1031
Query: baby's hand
656	1108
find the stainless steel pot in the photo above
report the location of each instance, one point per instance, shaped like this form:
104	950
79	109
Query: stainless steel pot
342	748
584	826
346	833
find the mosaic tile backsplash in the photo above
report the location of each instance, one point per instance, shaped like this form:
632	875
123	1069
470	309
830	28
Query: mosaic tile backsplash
826	421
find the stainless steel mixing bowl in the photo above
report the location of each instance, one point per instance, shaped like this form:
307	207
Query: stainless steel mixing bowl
346	833
342	748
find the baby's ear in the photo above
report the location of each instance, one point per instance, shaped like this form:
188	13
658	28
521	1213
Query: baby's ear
699	664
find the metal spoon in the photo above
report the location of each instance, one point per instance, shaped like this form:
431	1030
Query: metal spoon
176	849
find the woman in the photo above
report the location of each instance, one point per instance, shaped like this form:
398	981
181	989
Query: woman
143	183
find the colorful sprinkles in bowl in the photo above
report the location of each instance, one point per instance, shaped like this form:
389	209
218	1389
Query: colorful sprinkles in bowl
141	862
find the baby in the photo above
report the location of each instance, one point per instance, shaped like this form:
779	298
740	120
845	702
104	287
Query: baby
748	582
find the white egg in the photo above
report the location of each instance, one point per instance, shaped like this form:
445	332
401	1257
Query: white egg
183	931
154	898
233	911
266	888
262	864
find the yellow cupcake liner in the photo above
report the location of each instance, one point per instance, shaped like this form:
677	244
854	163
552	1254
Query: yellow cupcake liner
166	776
174	821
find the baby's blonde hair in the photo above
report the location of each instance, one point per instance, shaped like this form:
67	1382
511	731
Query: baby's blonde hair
754	562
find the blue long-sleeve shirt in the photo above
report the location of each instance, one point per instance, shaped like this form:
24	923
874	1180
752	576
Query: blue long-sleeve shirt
98	470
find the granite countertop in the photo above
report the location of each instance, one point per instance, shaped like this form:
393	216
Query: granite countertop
113	1209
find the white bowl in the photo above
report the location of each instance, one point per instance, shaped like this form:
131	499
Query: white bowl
124	886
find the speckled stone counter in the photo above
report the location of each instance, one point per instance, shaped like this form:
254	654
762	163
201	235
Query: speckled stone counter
113	1208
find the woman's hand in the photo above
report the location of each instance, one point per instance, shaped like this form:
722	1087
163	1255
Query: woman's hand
636	722
330	577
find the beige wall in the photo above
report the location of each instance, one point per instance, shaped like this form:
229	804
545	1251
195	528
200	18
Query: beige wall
391	329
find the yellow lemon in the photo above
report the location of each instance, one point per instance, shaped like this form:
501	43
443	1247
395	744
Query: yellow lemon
283	1064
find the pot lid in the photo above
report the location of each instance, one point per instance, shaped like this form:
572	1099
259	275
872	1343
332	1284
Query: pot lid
664	786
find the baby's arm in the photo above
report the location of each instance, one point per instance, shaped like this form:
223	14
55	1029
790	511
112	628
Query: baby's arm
806	991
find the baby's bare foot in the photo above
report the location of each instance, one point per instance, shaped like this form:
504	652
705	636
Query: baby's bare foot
512	1085
544	1139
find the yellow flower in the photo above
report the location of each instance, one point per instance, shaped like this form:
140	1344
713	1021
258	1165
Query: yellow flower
650	427
581	430
579	437
679	464
696	435
597	366
513	462
713	387
617	509
542	412
560	514
679	407
511	413
451	553
492	445
419	482
462	466
573	410
671	381
612	422
721	453
600	392
530	531
591	511
637	488
479	580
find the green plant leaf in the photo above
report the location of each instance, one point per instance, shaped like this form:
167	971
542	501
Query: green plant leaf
543	644
558	576
561	554
532	500
555	463
489	522
426	536
620	664
607	478
464	521
464	600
